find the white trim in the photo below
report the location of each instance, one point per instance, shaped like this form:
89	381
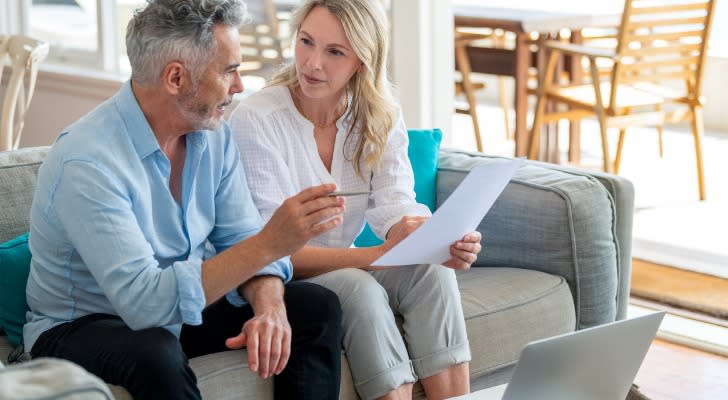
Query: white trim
686	331
698	260
12	18
422	54
107	39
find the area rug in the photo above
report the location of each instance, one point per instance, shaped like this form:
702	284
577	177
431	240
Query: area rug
687	290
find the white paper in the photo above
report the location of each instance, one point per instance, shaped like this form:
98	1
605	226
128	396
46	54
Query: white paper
461	213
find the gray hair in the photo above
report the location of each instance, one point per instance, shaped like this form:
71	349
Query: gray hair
182	30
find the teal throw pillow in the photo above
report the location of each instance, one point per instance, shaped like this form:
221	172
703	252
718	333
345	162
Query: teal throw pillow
423	151
14	269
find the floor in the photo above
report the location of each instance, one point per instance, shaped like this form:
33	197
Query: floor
673	372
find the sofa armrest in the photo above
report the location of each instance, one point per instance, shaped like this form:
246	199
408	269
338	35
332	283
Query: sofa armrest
564	221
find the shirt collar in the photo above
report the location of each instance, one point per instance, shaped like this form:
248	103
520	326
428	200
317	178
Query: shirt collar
139	131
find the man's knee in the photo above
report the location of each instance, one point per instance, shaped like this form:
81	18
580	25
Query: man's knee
159	354
312	308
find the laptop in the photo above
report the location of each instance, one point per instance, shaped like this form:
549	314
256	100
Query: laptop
598	363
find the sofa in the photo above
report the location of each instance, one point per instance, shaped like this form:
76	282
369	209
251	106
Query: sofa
556	258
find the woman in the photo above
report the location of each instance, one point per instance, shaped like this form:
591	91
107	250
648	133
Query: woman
330	117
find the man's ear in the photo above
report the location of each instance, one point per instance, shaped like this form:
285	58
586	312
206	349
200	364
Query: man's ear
174	77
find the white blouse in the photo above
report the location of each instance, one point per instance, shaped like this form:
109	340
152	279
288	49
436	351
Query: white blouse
280	158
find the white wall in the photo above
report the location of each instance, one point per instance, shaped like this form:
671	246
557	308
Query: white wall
715	90
59	100
423	61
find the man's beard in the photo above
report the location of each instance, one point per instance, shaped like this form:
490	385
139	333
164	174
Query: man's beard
198	113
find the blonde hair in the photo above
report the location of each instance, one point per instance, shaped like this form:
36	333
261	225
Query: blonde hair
373	109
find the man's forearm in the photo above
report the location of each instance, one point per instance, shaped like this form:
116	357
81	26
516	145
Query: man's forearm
263	292
236	265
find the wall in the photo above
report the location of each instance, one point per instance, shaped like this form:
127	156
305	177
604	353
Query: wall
60	99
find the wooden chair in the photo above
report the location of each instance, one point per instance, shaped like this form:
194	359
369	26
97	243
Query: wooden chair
22	54
465	85
659	43
261	39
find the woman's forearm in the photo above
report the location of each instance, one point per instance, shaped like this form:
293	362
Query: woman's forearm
311	260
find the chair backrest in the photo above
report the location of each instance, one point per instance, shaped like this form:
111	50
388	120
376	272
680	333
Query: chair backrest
661	41
22	54
260	39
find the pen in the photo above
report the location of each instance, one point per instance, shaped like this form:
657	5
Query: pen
353	193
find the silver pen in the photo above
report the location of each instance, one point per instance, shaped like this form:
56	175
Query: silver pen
350	193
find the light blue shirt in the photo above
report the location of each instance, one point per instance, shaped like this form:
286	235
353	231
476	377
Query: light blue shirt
107	236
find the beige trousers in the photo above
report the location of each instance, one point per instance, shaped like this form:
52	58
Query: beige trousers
433	337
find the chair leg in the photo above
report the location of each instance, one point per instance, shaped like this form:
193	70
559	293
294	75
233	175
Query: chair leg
618	156
505	104
660	129
697	125
601	115
544	85
463	64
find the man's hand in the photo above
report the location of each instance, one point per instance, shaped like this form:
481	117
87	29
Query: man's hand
464	252
303	217
268	334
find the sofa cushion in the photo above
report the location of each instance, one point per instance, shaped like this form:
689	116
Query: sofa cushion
506	308
226	375
423	151
14	269
567	238
18	171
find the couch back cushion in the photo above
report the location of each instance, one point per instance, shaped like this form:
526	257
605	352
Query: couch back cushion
18	170
566	237
423	151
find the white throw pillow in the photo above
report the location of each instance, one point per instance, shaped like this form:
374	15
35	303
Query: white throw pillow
50	378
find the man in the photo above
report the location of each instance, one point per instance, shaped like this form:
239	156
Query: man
131	201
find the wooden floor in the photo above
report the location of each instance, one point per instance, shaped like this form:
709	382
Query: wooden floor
672	372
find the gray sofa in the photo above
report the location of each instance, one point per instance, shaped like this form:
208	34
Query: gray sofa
556	258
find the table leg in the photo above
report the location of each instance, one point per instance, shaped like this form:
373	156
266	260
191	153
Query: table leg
575	75
520	96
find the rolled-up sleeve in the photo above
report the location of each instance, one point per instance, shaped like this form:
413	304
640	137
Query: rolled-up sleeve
191	294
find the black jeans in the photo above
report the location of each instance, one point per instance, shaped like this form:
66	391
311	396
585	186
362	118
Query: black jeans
152	363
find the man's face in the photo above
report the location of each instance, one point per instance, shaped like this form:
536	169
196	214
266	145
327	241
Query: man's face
203	104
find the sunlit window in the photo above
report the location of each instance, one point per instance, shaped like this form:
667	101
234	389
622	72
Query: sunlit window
72	27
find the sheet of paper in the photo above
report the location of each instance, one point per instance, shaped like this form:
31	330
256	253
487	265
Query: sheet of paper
459	214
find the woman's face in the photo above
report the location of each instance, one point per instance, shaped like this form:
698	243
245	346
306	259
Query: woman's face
325	60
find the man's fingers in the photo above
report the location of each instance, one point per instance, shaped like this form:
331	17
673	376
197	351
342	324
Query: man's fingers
315	192
252	343
285	352
275	352
264	351
236	342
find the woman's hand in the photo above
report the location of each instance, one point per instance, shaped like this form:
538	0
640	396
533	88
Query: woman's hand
402	229
464	252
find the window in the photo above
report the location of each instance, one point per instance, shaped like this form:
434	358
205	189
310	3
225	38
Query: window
83	33
90	34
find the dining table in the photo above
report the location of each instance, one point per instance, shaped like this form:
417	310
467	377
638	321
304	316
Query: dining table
531	21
